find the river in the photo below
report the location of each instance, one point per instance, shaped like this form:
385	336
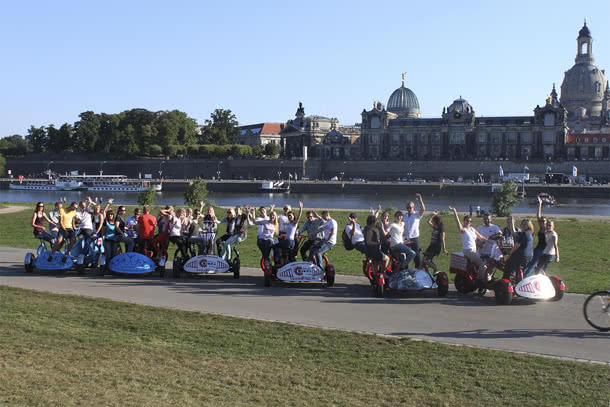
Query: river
567	206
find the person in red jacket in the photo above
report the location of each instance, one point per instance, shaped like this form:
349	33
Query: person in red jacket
146	231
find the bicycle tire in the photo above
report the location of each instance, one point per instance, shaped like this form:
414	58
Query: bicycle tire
597	314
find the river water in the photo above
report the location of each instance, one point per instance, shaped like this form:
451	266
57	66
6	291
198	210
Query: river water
567	206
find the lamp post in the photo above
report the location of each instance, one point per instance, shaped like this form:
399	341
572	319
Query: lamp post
218	170
48	170
101	171
160	170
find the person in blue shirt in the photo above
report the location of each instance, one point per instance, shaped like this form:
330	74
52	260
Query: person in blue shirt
522	252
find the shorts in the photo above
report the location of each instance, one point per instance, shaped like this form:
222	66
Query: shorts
432	251
67	234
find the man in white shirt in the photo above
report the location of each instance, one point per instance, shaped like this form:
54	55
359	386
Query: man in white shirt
487	229
330	237
84	219
354	231
411	219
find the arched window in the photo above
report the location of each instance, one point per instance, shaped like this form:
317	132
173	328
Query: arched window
598	87
375	123
584	48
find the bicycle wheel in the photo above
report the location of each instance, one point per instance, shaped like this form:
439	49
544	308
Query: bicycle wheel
596	310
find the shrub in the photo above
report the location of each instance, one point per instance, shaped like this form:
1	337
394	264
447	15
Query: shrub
505	198
196	192
147	197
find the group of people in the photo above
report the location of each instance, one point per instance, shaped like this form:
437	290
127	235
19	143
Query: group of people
188	229
381	238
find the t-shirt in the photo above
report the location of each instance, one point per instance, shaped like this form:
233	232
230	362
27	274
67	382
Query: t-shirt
489	248
397	231
436	236
469	240
525	244
541	241
411	225
54	216
175	226
84	217
266	228
131	227
284	223
329	225
358	235
146	226
550	247
66	218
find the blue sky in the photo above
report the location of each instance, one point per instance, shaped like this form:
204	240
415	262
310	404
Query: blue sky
260	59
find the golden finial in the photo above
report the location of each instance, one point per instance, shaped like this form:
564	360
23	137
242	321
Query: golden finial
549	100
403	78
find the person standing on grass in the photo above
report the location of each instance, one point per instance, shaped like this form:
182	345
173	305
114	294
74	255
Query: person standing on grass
146	231
551	250
541	246
411	219
469	245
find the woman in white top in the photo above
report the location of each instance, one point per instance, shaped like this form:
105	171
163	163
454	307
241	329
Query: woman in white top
287	235
176	223
401	252
267	229
469	245
551	250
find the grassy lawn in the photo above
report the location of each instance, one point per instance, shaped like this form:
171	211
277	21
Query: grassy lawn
584	247
60	350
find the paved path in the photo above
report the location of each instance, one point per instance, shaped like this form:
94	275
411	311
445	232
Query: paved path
547	328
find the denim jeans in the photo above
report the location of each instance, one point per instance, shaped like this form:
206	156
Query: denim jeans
360	246
318	252
402	248
226	250
415	247
529	268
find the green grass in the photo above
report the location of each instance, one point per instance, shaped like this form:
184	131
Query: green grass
60	350
584	247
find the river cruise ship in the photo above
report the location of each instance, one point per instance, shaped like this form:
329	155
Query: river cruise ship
95	183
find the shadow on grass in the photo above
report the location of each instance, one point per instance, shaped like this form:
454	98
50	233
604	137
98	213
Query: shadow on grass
509	334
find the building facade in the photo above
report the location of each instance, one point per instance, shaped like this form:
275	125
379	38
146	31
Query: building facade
398	131
259	134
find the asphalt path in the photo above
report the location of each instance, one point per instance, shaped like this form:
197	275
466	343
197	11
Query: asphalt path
555	329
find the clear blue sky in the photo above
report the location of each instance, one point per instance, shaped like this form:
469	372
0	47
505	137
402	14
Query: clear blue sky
260	59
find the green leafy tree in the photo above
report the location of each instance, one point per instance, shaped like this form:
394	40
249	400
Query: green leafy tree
65	138
147	197
2	164
196	192
13	146
505	198
272	150
37	139
221	128
86	132
258	151
155	150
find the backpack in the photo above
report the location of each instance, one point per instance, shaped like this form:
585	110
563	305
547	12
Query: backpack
347	240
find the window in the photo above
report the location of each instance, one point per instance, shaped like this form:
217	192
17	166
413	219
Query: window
436	138
482	137
584	48
495	138
603	140
423	138
395	138
375	123
374	138
409	138
526	138
548	150
548	138
456	138
598	87
595	140
512	138
586	139
549	119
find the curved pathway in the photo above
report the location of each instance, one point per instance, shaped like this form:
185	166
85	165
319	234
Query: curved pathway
554	329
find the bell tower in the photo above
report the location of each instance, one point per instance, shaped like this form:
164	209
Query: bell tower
584	53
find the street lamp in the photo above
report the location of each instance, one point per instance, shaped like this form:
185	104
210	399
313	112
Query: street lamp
160	170
218	170
48	170
101	171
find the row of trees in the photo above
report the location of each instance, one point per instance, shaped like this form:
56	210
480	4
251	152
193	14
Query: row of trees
135	132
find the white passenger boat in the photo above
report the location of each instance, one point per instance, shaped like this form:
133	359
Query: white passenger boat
117	183
275	186
59	184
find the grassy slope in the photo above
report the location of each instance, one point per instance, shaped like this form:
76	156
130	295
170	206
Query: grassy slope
64	350
584	248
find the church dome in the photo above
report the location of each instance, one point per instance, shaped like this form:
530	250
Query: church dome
584	31
460	106
404	103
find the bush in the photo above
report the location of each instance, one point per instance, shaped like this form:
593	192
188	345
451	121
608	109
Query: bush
192	150
147	197
272	150
170	150
155	150
196	192
505	198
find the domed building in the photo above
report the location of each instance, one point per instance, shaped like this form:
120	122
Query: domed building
583	91
404	103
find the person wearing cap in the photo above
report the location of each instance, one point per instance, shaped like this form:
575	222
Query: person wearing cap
354	231
411	219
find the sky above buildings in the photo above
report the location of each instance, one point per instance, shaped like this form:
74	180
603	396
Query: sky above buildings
260	59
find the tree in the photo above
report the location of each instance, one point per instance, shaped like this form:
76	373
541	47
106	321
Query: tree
272	150
2	163
13	146
220	129
196	192
37	139
86	132
505	198
147	197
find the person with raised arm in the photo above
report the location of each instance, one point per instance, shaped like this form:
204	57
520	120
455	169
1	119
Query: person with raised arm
521	252
469	245
398	248
437	240
411	219
267	229
289	224
541	246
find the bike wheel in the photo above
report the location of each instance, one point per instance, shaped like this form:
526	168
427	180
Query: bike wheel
461	284
596	310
